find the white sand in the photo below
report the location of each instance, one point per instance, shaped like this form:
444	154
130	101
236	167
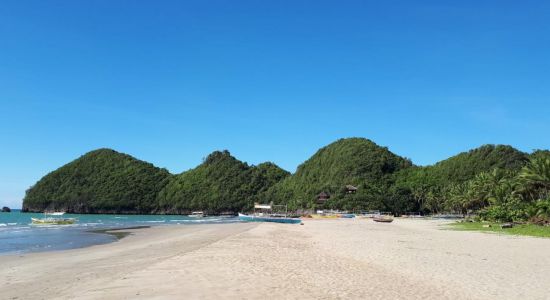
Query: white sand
324	259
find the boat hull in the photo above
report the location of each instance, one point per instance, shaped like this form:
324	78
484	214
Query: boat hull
52	221
316	216
347	216
247	218
383	220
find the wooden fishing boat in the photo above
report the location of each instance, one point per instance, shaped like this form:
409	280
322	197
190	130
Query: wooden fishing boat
266	213
53	220
275	219
347	216
197	214
369	214
322	216
383	219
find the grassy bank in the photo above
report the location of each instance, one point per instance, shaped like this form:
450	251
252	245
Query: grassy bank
527	229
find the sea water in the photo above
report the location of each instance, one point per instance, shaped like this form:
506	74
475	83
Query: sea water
18	235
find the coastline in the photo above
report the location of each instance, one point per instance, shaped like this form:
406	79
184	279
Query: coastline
18	235
328	259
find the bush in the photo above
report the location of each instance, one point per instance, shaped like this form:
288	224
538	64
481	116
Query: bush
512	211
539	212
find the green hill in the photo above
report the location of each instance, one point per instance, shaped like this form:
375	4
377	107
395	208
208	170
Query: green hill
464	166
354	161
430	185
220	184
101	181
354	173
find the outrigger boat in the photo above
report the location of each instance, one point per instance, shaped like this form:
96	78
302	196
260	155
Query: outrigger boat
324	216
347	216
252	218
196	214
53	220
268	216
369	214
321	214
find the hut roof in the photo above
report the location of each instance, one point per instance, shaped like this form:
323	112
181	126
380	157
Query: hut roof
350	187
323	195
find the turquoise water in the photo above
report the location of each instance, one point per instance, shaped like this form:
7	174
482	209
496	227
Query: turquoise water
18	235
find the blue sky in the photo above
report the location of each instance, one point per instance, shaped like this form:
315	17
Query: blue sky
171	81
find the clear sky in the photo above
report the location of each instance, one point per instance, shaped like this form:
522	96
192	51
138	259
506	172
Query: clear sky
170	81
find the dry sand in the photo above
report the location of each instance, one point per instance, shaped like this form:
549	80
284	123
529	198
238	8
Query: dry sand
324	259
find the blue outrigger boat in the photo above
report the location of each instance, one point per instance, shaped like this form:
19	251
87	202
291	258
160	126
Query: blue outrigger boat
252	218
266	215
347	216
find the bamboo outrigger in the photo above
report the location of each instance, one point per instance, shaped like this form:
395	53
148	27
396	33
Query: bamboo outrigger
53	220
264	213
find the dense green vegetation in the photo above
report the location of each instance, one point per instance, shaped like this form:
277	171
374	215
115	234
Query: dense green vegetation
354	161
502	194
220	184
100	181
434	187
497	183
105	181
522	229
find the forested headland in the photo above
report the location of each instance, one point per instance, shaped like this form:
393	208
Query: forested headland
495	182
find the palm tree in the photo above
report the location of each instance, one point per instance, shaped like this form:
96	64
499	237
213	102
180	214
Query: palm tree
419	194
490	188
535	177
457	198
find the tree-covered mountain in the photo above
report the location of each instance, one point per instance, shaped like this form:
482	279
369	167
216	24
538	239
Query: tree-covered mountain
220	184
357	162
431	185
349	174
101	181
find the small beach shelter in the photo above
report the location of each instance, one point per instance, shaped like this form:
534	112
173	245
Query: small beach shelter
322	198
350	189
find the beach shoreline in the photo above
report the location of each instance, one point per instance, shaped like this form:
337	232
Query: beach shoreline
328	259
19	235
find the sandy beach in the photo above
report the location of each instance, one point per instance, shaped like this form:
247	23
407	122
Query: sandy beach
323	259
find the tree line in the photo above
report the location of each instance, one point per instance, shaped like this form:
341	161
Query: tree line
492	182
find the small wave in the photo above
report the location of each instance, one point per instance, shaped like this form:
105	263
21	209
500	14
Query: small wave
201	221
12	224
3	224
150	221
19	230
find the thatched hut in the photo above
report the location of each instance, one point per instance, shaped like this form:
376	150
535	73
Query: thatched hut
322	198
350	189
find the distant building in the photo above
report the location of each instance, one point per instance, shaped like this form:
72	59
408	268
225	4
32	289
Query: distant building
350	189
322	198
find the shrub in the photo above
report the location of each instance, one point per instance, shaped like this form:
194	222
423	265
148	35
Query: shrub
511	211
